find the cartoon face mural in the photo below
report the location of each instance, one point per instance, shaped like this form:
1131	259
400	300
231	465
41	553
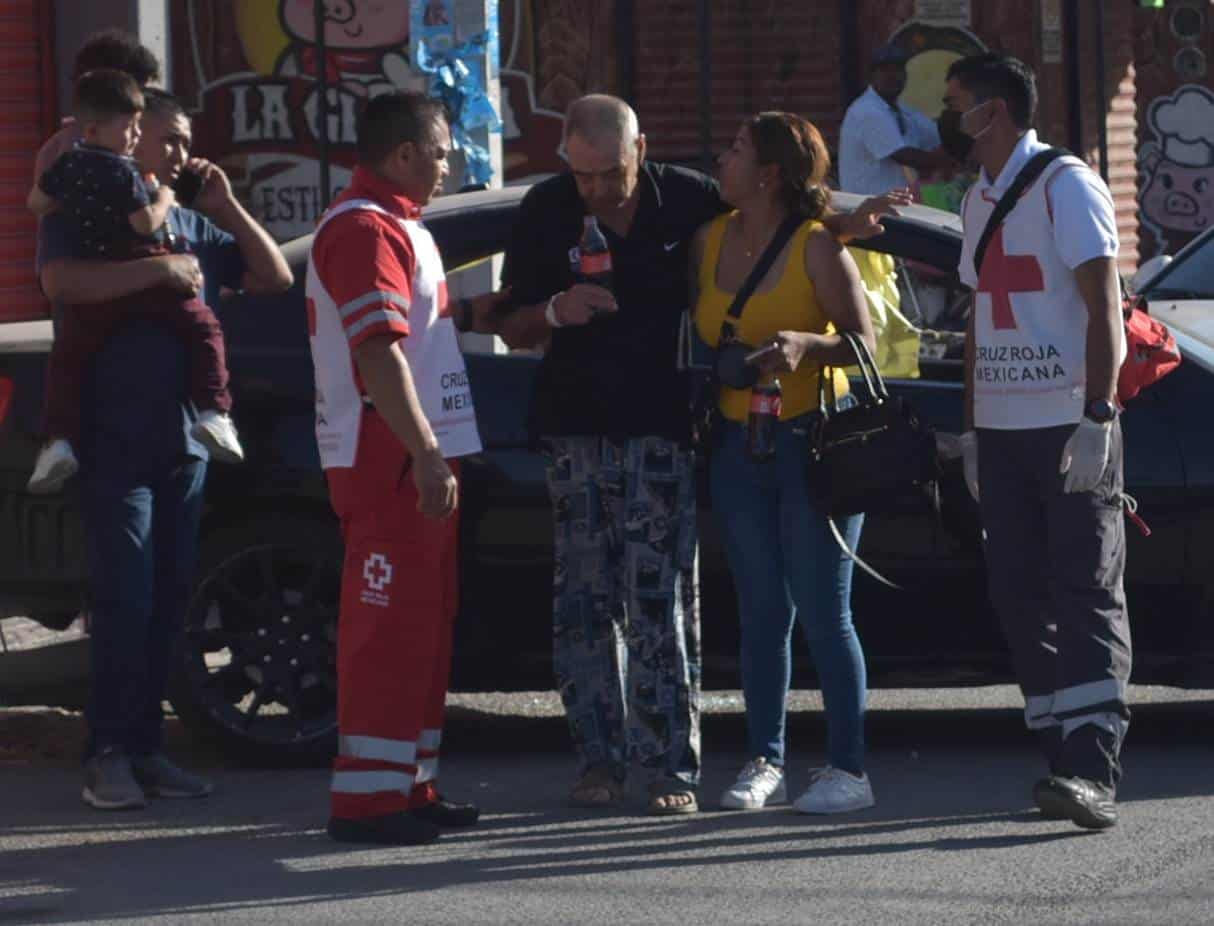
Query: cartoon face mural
349	23
247	69
1177	167
931	50
366	44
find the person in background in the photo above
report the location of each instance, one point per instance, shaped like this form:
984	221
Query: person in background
786	565
141	472
881	138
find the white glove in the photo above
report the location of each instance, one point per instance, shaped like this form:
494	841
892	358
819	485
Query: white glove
1085	455
969	461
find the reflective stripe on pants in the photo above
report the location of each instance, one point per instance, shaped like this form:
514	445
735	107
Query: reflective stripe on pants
398	603
1055	563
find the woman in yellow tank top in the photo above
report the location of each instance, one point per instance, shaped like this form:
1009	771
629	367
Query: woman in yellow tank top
785	563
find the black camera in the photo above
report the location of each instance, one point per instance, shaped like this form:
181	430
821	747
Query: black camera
188	186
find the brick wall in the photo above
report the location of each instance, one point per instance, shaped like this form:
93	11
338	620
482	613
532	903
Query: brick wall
765	55
1118	111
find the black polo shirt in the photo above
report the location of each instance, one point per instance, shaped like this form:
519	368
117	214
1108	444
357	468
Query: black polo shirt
616	376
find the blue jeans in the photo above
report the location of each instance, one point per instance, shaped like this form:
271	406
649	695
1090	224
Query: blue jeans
786	567
141	534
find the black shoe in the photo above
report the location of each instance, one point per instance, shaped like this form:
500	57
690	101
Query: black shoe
394	829
443	812
1085	803
1044	798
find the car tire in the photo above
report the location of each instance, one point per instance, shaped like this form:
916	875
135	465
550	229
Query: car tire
255	666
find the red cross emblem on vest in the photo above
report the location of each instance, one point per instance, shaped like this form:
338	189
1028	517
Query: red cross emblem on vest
1003	274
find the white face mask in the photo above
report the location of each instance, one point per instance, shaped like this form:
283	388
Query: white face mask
965	115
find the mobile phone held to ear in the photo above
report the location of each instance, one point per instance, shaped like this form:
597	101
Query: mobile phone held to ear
187	187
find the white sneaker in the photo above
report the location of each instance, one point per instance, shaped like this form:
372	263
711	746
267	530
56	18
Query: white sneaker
215	431
56	464
832	790
759	783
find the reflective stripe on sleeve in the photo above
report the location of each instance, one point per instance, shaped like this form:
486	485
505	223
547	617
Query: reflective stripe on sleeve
367	299
378	317
373	782
402	752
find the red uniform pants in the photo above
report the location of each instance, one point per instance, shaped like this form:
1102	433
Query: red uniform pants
85	329
399	598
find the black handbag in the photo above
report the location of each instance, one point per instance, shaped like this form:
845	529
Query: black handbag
727	364
863	457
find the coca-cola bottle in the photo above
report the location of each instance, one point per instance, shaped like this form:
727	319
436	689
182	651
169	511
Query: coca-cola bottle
593	255
765	402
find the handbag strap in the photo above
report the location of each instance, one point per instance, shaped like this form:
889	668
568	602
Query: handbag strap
1007	202
873	380
855	557
786	230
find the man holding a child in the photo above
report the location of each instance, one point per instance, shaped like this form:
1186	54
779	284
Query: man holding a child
141	470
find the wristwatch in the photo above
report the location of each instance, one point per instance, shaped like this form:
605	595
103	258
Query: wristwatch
1102	411
462	314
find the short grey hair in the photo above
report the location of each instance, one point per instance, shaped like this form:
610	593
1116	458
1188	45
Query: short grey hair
599	118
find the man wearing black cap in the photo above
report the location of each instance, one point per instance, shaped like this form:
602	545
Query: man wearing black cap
881	137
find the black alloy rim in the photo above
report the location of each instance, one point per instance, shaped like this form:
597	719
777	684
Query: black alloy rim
261	642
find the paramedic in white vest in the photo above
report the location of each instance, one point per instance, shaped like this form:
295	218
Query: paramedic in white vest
1042	452
393	416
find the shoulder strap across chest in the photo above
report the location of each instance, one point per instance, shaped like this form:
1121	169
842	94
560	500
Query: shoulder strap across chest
1007	202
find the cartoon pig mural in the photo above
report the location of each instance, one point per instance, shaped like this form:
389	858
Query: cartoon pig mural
366	44
1176	201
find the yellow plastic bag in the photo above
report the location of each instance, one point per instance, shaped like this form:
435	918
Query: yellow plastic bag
897	353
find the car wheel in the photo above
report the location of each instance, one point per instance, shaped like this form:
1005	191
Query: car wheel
256	664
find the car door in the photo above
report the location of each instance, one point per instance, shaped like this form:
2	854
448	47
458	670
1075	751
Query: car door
42	562
1170	472
930	545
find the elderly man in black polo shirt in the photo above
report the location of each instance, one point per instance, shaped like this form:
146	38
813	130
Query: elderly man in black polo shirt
611	409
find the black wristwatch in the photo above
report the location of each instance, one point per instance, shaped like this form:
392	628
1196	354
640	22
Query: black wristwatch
1102	411
462	316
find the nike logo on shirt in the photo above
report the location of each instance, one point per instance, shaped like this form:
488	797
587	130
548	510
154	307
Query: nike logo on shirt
670	247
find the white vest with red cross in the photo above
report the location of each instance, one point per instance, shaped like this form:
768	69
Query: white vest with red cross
431	349
1030	320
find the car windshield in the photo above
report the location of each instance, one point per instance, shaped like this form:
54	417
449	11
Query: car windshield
1192	277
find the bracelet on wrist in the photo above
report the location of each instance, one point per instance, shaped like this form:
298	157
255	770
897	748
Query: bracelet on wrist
550	313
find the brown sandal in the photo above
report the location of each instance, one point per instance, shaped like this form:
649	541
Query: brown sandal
596	789
661	793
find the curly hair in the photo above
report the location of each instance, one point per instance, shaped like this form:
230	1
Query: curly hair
117	50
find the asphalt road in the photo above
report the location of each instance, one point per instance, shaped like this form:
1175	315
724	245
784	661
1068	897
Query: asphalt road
953	838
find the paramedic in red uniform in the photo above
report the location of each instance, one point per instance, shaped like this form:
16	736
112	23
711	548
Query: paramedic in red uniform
393	415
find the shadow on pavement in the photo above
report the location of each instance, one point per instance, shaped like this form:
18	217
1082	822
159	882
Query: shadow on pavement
275	866
947	781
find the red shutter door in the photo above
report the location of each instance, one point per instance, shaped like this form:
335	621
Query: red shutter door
26	106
